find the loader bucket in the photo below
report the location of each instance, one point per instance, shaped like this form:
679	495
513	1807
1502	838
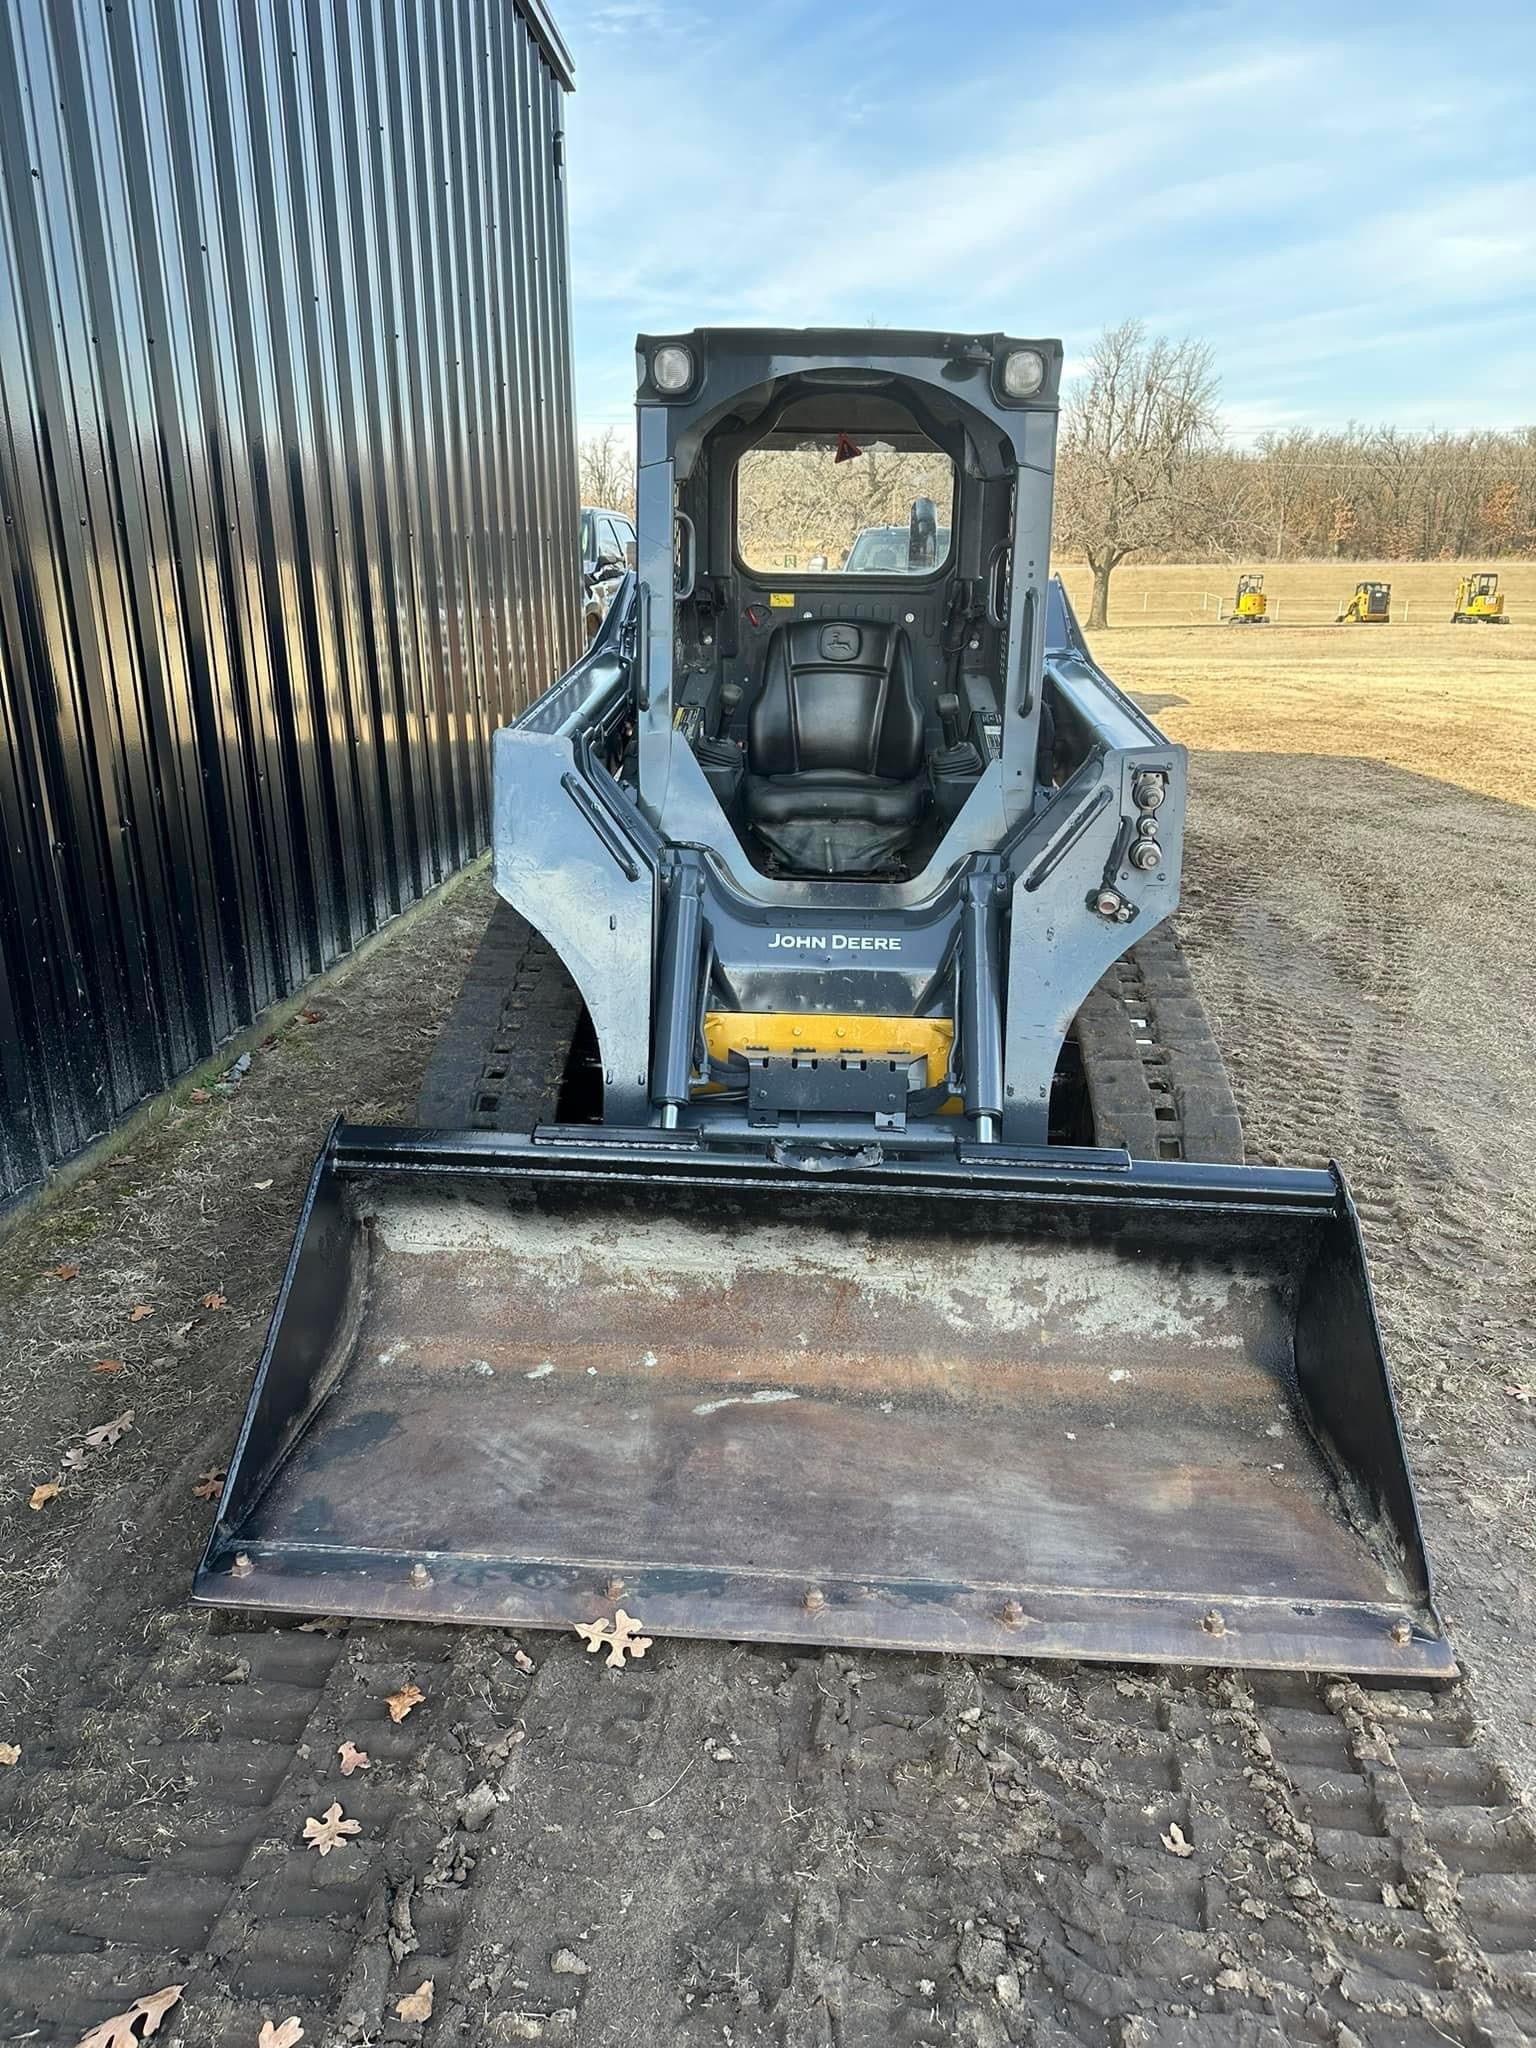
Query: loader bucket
1057	1408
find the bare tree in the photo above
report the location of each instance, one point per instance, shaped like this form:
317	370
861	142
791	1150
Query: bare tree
1224	503
1282	470
1342	522
1133	432
607	471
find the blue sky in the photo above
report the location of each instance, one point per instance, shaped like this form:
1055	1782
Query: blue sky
1342	200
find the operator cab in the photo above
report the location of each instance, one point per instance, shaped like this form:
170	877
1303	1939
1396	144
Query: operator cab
839	638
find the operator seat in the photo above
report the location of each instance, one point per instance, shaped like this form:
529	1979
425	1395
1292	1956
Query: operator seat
836	780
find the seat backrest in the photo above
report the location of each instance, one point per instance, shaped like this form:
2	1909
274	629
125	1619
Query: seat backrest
837	695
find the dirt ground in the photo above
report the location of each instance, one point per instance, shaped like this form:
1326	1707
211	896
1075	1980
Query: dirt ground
737	1845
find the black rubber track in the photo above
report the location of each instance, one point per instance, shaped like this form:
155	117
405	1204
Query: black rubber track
500	1059
1156	1079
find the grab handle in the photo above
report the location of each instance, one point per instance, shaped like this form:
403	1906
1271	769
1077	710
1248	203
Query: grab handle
684	588
996	581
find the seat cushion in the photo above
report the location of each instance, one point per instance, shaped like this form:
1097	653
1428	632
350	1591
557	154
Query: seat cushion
823	793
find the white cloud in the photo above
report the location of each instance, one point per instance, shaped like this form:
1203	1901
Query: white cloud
787	164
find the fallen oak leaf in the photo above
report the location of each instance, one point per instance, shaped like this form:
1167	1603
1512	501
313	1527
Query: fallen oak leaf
62	1273
620	1635
1175	1843
128	2029
10	1753
210	1486
352	1758
74	1459
107	1365
1521	1393
41	1495
325	1625
214	1301
330	1830
140	1312
416	2005
106	1434
285	2036
400	1703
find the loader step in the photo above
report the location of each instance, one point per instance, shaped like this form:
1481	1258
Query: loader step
1154	1074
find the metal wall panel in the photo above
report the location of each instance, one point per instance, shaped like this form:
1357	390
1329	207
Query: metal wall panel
289	490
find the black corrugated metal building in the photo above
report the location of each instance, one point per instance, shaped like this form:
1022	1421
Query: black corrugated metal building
289	496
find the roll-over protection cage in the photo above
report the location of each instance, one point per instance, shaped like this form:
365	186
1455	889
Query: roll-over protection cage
611	840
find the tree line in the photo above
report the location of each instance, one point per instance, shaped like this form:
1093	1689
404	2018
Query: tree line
795	506
800	508
1143	470
1372	494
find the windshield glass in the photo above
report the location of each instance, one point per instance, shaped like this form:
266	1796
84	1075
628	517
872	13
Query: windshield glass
834	506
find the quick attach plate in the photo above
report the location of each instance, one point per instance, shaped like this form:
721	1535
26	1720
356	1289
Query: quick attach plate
794	1084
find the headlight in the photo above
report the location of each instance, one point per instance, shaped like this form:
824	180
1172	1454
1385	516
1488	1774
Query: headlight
672	369
1023	373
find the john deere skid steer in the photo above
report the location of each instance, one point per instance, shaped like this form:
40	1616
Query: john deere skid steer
827	1221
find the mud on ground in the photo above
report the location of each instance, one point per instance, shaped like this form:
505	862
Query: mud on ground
735	1845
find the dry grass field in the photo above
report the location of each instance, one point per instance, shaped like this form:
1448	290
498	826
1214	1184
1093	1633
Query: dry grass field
1456	704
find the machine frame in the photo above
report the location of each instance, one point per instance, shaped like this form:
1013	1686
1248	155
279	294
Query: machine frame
612	842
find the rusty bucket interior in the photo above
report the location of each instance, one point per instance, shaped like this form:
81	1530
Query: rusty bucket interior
1000	1406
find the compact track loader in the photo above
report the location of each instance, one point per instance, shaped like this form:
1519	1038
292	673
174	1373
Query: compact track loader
827	1220
1371	605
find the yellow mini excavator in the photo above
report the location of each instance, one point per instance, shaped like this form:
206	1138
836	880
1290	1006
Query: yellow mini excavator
1252	606
1479	601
